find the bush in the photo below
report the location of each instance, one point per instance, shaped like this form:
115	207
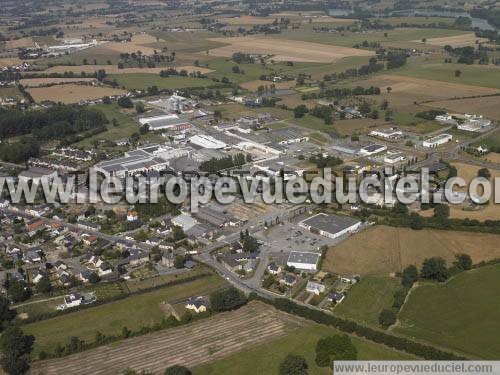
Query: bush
409	276
387	318
293	365
177	370
336	347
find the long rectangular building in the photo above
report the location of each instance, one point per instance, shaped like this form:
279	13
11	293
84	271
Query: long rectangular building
331	226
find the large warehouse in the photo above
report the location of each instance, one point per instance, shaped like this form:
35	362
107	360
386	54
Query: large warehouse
331	226
303	260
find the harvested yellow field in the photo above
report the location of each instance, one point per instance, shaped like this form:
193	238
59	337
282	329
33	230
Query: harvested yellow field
113	69
19	43
71	93
454	41
254	85
10	61
382	250
138	43
493	157
35	82
487	106
429	87
285	50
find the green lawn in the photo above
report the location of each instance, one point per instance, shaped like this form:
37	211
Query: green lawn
141	81
133	312
434	68
367	298
462	314
265	359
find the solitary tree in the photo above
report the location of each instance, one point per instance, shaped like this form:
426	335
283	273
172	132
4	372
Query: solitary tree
463	262
458	73
435	269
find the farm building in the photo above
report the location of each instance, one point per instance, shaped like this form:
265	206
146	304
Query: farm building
303	260
331	226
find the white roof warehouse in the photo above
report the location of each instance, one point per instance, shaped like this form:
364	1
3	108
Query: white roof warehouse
303	260
331	226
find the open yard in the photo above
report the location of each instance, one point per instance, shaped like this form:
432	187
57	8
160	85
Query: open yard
285	50
367	298
133	312
381	250
461	314
194	344
71	93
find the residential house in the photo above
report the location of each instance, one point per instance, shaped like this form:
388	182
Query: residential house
336	297
41	273
137	257
273	268
314	287
288	279
197	304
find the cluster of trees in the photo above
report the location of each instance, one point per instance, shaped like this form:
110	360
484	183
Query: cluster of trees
242	58
227	299
14	122
491	15
344	92
467	55
323	112
396	59
431	114
329	161
372	67
59	122
215	164
183	73
250	243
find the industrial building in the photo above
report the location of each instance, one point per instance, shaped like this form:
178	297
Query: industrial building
390	133
149	158
207	141
162	122
303	260
372	149
437	140
331	226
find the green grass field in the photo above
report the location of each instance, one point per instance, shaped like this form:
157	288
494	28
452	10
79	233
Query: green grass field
126	125
265	359
367	298
133	312
434	68
493	140
141	81
461	314
348	39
